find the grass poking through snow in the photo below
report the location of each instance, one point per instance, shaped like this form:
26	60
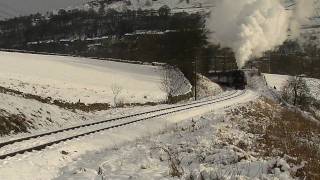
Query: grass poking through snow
285	133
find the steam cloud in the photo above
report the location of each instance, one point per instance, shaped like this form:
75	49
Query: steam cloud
251	27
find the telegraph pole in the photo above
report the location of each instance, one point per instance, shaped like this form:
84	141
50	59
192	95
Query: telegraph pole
269	56
195	78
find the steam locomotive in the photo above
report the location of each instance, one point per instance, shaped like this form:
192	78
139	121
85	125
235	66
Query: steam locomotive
231	78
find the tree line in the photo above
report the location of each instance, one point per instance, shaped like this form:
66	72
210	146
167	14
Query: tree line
177	39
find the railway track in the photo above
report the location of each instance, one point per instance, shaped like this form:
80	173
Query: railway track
40	141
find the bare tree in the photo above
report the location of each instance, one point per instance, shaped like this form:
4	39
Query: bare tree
175	166
296	92
116	90
171	81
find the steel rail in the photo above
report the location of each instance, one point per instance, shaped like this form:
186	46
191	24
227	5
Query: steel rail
2	144
196	105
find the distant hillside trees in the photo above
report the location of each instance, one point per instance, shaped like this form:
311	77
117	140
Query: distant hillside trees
164	11
292	58
18	31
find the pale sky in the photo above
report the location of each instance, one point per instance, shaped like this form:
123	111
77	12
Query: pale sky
9	8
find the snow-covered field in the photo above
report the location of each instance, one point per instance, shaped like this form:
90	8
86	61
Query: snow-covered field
74	79
279	81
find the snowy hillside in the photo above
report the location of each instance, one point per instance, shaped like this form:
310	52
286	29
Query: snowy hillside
310	29
279	81
79	79
175	5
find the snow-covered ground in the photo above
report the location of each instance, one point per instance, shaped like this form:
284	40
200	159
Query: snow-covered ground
203	147
74	79
47	164
279	81
198	147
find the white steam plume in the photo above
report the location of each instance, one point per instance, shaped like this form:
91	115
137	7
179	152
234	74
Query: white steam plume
251	27
300	15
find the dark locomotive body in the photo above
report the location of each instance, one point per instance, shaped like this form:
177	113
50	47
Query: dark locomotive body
233	78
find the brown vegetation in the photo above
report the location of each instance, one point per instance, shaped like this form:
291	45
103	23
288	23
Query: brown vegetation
11	123
286	133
